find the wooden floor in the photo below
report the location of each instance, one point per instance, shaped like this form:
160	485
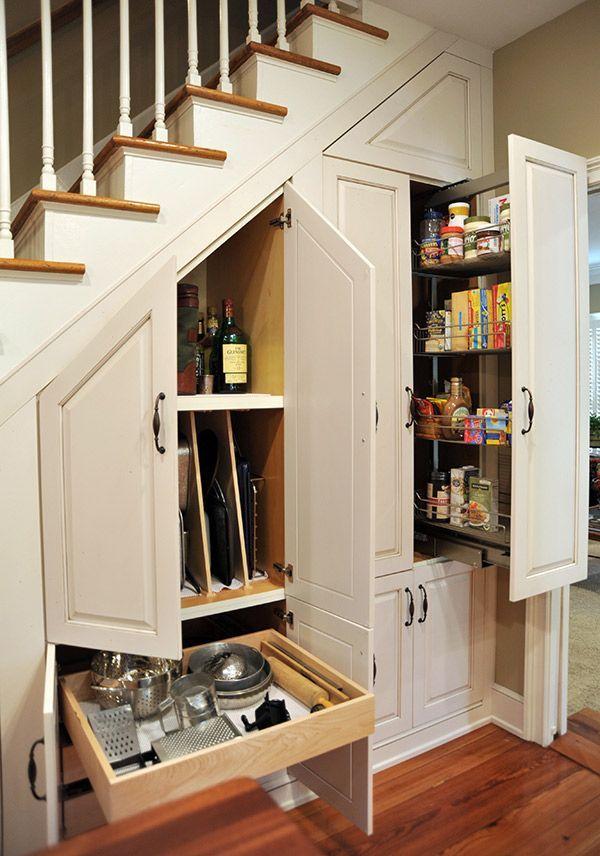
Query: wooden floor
487	794
581	743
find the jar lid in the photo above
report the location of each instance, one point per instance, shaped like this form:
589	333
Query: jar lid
186	289
489	230
463	204
452	230
478	218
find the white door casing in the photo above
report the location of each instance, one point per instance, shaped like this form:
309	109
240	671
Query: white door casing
431	126
548	189
371	207
329	416
344	777
449	650
109	498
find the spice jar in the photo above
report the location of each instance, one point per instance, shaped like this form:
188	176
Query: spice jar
505	226
438	496
488	240
458	213
187	337
452	244
430	246
472	226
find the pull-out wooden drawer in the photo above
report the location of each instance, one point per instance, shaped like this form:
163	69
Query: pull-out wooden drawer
255	754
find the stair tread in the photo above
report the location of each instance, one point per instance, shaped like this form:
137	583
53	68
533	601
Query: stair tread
117	141
40	266
581	747
286	56
66	197
318	11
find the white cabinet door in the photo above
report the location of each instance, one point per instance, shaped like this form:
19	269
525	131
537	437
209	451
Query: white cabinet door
51	748
393	655
109	497
550	287
449	650
343	777
371	207
431	127
329	416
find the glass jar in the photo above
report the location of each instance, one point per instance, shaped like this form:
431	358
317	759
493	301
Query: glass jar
452	244
438	496
505	226
472	226
429	231
458	213
488	240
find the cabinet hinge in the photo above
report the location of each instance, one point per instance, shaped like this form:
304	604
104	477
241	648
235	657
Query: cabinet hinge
285	616
288	570
283	220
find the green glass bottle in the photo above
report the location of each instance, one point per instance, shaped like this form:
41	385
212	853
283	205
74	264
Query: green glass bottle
232	350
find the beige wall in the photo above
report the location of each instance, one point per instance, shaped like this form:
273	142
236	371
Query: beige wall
547	84
25	75
547	87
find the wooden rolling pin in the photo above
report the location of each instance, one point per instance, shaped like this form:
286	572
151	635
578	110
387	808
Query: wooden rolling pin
313	696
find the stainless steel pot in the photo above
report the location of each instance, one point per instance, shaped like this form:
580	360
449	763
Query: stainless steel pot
142	682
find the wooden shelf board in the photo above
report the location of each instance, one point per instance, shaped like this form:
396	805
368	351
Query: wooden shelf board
254	594
248	401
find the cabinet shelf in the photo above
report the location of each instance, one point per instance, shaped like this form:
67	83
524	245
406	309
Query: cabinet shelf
493	263
227	600
499	538
216	401
473	352
462	443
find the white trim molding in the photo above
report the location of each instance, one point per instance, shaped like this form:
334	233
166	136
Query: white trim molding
593	169
507	709
542	672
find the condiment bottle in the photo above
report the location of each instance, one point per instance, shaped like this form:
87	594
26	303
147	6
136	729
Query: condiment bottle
455	409
438	496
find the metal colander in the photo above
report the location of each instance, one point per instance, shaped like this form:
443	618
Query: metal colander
142	682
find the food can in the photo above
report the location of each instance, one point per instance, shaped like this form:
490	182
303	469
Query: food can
488	240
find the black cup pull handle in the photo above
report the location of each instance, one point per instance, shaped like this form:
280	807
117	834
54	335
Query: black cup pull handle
530	410
376	417
424	604
32	770
156	423
411	607
411	406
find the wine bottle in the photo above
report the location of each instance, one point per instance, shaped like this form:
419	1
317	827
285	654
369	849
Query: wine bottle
232	354
208	343
200	351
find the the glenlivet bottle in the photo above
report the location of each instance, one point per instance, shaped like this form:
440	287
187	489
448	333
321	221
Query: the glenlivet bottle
232	354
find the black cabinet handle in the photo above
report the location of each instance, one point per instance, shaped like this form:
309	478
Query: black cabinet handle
411	607
374	669
32	770
424	604
376	417
411	406
530	410
156	423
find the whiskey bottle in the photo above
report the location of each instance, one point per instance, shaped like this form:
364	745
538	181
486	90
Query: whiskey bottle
232	354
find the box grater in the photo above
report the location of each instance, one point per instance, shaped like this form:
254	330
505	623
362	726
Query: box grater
217	730
116	734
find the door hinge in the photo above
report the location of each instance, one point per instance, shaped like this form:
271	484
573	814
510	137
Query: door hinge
285	616
288	570
283	220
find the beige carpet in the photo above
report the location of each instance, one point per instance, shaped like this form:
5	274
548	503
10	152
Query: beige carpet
584	650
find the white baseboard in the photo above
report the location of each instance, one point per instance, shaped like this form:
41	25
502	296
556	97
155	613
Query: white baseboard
507	709
416	742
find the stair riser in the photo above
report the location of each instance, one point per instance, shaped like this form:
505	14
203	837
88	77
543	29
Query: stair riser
274	80
331	42
197	120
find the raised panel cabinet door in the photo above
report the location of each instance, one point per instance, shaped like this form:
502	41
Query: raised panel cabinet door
449	650
343	777
431	126
394	625
51	749
109	494
550	292
371	207
329	411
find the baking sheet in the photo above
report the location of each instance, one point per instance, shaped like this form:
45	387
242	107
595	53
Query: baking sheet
150	729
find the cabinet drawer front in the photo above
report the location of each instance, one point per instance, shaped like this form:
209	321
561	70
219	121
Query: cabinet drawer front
256	754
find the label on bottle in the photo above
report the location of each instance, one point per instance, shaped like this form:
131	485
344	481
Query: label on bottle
235	363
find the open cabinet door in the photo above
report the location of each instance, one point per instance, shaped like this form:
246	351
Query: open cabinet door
329	416
109	485
550	284
51	748
329	474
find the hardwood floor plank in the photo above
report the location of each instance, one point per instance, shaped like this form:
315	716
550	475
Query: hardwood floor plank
579	749
578	834
586	723
512	832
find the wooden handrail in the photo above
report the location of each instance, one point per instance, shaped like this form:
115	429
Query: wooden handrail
32	33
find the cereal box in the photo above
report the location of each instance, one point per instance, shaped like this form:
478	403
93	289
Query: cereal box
475	319
501	315
460	321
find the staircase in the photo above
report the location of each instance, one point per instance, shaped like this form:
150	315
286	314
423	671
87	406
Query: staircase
215	151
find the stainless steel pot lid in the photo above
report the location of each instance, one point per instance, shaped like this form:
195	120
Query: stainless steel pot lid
234	666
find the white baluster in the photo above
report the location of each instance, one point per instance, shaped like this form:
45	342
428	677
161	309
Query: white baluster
224	81
160	132
88	182
193	76
7	247
125	126
282	42
48	176
333	6
253	31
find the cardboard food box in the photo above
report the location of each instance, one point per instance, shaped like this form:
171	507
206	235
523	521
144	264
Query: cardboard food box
484	311
459	493
481	513
460	321
474	319
501	315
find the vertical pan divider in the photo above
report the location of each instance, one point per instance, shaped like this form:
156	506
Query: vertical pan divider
220	423
198	556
